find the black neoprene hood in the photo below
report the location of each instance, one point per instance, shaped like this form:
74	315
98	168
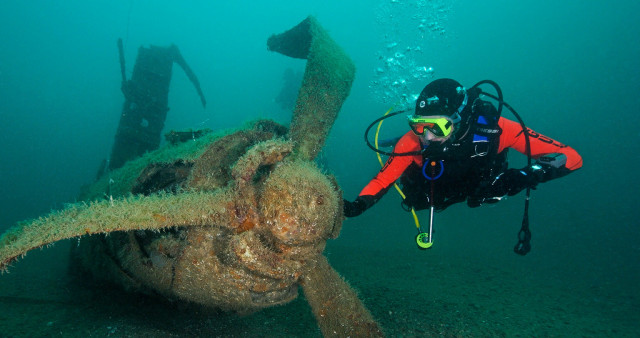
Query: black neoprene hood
440	97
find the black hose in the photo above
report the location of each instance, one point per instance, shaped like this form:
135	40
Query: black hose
524	235
495	85
366	137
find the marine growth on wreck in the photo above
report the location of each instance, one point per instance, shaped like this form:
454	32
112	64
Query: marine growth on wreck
236	220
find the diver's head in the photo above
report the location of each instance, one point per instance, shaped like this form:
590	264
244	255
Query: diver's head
439	111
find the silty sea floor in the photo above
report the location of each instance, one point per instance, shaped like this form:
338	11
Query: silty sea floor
410	293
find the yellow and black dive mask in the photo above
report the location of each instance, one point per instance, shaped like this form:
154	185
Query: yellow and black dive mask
440	126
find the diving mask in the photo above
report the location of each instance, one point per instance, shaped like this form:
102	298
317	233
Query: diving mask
440	126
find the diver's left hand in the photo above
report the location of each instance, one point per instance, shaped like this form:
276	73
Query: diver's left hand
516	180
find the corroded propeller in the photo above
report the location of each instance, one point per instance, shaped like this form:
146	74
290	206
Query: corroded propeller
243	217
325	86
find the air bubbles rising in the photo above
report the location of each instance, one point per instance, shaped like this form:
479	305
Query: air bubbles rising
407	28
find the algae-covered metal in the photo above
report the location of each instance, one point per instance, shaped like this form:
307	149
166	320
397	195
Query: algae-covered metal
236	221
146	104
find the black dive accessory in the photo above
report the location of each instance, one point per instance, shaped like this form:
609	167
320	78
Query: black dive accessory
524	235
554	160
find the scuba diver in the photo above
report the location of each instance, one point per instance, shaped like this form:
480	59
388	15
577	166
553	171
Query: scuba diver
456	151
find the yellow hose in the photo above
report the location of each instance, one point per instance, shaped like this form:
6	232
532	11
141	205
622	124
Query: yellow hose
413	212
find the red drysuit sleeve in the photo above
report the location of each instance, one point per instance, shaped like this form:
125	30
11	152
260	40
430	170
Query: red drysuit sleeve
395	166
513	137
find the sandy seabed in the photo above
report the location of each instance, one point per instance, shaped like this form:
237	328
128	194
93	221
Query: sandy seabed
411	294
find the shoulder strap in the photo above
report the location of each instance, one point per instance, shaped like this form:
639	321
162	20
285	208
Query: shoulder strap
484	128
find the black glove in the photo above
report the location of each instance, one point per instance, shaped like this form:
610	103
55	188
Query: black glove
547	168
355	208
513	181
510	182
516	180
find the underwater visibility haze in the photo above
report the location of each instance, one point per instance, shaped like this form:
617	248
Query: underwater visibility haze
570	70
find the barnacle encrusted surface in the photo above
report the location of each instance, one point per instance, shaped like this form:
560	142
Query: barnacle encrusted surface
235	220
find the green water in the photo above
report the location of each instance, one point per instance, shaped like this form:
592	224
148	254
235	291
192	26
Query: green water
570	69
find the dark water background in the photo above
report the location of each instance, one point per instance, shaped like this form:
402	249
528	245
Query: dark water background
570	69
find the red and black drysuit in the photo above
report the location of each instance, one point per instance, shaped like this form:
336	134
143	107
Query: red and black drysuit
466	170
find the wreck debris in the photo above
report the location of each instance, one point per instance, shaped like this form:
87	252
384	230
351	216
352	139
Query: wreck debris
175	137
291	81
146	101
236	221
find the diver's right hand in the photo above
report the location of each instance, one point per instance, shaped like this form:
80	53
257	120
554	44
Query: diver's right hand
357	207
349	209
